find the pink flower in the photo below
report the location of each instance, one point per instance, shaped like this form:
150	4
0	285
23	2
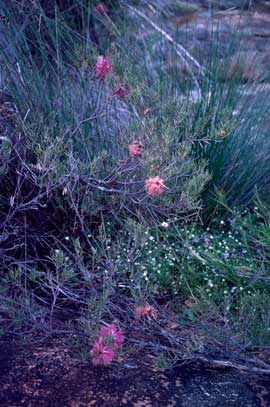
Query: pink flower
146	310
121	91
103	67
101	8
122	163
111	336
154	186
102	354
135	148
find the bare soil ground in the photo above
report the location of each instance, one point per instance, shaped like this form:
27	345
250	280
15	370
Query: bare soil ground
48	374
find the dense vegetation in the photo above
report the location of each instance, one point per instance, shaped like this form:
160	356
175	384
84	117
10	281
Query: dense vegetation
134	185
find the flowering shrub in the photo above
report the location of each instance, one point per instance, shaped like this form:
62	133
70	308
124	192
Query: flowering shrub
99	191
82	153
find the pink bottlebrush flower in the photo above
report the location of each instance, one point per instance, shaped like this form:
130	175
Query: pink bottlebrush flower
103	67
121	91
135	148
146	310
101	8
111	336
102	354
155	186
122	163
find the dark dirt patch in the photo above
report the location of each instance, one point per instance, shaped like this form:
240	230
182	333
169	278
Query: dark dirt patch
47	374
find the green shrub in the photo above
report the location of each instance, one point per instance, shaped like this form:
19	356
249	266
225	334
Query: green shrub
66	165
80	236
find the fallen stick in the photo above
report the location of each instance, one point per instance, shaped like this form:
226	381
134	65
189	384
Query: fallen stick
232	365
213	363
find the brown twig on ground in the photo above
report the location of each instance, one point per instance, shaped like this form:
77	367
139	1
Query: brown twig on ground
234	365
